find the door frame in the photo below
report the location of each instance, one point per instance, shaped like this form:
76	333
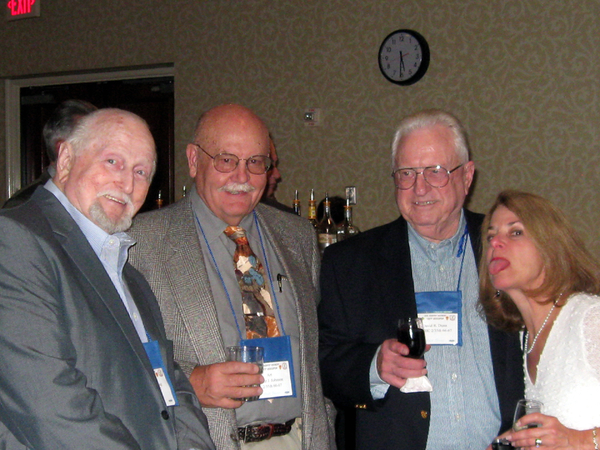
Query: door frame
13	106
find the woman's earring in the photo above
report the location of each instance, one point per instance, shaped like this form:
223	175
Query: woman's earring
497	293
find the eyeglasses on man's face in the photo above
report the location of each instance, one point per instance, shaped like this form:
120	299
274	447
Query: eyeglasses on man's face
435	176
227	162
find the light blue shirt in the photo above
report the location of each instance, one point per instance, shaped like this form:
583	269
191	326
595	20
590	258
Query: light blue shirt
465	412
111	249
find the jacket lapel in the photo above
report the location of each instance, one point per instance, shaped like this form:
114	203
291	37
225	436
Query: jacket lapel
190	286
78	249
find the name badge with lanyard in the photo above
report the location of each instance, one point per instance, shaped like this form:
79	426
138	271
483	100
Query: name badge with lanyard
160	372
278	367
441	311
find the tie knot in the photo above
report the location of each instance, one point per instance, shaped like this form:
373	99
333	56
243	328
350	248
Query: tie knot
236	234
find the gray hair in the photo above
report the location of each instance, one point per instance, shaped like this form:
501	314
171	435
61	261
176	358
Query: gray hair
428	119
97	125
61	123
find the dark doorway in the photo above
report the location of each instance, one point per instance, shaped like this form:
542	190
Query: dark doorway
150	98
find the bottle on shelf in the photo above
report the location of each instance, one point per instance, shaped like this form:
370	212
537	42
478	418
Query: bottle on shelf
159	200
184	192
326	229
347	229
297	208
312	209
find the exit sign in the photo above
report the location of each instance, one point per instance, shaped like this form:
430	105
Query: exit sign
22	9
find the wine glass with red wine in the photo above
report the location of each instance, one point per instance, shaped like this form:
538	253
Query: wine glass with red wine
411	334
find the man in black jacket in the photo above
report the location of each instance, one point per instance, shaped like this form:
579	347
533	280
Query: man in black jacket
424	263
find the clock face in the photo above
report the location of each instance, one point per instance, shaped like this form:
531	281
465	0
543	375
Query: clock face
404	57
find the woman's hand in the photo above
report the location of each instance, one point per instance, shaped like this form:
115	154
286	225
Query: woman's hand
549	434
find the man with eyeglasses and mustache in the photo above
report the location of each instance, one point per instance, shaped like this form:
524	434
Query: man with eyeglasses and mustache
85	360
187	252
424	263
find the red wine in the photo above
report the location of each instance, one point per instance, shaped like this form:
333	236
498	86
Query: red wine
414	338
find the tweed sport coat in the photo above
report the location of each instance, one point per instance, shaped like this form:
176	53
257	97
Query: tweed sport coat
169	255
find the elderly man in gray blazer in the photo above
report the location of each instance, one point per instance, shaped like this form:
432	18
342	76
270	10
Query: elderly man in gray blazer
84	359
189	262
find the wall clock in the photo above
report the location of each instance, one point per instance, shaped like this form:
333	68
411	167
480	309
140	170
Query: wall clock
404	57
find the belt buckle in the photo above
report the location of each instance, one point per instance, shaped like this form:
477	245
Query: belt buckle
271	427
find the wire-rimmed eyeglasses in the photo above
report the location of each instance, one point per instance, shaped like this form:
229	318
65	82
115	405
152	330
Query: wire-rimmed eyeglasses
227	162
435	176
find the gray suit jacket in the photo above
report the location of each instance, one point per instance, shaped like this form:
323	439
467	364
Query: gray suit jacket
168	253
73	371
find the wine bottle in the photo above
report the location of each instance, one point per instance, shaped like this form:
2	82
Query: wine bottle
159	200
297	208
326	229
312	209
348	228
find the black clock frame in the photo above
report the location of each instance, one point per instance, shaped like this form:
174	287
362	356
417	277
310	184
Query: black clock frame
424	60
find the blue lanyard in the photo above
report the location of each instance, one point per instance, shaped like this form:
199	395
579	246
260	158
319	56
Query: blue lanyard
223	281
461	251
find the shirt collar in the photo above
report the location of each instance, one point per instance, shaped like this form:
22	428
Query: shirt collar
212	226
95	235
451	244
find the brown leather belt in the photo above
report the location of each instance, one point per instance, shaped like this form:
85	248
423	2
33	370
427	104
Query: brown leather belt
257	433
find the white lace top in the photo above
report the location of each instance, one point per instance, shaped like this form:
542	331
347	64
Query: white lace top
568	373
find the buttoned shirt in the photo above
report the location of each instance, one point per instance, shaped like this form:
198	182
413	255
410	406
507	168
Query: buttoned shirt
465	411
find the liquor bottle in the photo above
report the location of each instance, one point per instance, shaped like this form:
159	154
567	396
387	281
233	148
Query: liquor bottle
312	209
326	229
348	228
297	208
184	192
159	200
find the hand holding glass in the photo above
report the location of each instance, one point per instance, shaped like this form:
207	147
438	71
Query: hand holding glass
411	334
524	407
247	354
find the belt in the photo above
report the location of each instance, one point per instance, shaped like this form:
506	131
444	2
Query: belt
264	431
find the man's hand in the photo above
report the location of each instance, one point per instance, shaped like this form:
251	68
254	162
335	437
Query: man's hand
393	365
218	385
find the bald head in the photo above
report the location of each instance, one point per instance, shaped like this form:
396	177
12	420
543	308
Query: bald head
236	130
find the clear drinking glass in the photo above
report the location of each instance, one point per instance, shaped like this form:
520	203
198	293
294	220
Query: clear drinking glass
247	354
526	406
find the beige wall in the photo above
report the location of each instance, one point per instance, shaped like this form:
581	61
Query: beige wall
522	75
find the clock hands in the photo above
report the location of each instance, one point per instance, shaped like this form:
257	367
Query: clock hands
402	68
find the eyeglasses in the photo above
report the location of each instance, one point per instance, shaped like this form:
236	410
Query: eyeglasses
436	176
227	162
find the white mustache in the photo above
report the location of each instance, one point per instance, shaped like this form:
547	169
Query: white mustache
116	196
236	188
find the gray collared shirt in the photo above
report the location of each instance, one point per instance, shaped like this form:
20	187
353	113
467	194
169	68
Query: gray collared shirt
111	249
218	248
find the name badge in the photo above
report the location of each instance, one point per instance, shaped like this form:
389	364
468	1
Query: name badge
161	373
441	315
278	367
440	328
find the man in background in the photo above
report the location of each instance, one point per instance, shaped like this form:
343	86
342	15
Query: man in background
273	179
56	130
85	360
269	295
424	263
